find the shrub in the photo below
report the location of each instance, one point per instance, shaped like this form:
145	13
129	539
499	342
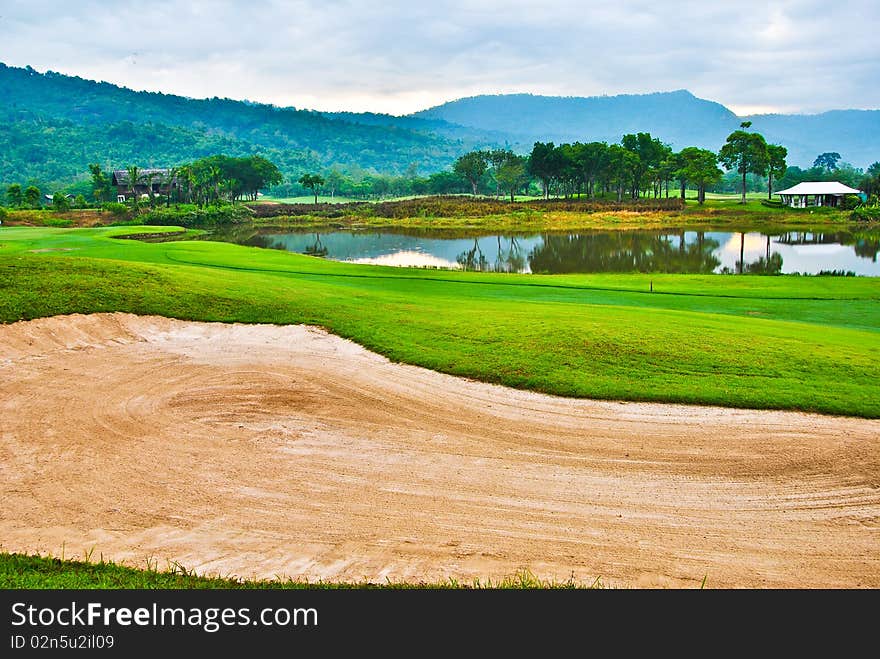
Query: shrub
191	216
850	202
866	214
3	213
117	209
60	202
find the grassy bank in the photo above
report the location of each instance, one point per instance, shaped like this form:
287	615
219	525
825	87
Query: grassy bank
482	214
23	571
804	343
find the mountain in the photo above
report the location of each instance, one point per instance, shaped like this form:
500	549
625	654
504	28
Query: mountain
678	118
854	134
52	126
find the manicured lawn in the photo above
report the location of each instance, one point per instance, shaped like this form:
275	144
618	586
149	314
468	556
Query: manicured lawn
807	343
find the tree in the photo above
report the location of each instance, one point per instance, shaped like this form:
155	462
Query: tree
621	164
497	158
60	202
472	166
746	153
100	183
334	180
650	152
775	165
134	175
544	163
827	161
591	159
14	195
511	174
312	182
32	197
700	167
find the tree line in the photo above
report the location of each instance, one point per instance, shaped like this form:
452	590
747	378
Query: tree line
640	165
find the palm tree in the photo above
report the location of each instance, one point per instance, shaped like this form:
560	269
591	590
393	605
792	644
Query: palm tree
134	175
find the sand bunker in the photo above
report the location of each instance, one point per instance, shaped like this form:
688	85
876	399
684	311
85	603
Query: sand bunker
263	451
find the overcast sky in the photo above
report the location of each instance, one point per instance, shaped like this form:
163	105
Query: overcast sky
399	57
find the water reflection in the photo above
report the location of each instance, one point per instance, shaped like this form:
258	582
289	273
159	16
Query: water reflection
683	251
625	252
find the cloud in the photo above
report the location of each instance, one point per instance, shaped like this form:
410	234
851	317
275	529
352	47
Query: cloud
399	57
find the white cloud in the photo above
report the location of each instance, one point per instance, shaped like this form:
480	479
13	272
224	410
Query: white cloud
398	57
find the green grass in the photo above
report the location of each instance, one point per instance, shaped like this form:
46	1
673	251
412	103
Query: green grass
804	343
24	571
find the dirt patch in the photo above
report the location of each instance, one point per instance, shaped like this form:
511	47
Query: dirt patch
260	451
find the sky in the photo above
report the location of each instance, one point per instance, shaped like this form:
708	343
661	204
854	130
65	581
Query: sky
800	56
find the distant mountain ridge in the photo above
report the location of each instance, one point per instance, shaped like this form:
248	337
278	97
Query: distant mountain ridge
52	126
677	117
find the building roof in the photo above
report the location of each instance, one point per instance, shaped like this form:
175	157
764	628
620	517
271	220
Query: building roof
120	176
819	187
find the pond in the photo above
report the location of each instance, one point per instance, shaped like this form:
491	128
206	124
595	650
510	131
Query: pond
602	251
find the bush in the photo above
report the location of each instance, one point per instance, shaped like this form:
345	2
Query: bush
190	216
850	202
60	202
866	214
3	213
117	209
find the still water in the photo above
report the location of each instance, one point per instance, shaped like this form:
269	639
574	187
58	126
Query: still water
611	251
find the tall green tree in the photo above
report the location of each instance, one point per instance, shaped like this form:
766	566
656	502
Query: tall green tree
650	152
620	167
60	202
472	166
101	183
746	153
827	161
776	165
591	159
497	158
511	174
334	180
134	176
545	164
699	167
14	195
32	197
312	182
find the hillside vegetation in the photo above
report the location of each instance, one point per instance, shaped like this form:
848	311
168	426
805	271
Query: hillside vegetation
52	126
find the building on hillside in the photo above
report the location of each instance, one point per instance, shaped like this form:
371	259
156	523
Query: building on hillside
150	182
816	193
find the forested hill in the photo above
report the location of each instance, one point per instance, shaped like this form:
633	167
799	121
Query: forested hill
52	126
678	118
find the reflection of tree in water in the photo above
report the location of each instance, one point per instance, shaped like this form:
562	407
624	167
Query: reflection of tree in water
771	265
511	259
867	248
260	240
317	249
507	259
624	252
473	258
